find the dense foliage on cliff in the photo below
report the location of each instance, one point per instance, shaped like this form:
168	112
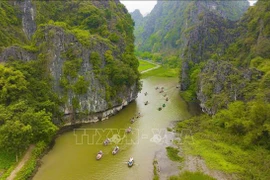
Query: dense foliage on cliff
61	57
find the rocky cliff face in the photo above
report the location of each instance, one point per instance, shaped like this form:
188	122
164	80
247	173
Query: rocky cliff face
88	50
221	82
241	71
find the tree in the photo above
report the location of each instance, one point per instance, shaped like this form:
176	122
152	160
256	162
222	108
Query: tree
15	136
12	84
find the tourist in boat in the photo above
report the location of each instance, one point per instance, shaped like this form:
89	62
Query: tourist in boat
138	115
159	108
145	93
130	162
99	155
132	120
165	95
115	150
167	99
146	103
106	142
128	130
156	88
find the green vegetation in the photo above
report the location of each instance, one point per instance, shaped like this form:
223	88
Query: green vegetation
144	65
10	26
6	159
173	154
191	176
156	175
27	107
235	140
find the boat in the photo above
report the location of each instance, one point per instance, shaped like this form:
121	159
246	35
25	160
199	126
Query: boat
167	99
106	142
128	130
115	150
132	120
146	103
130	162
160	108
99	155
145	93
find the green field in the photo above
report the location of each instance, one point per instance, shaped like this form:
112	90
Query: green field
144	65
162	72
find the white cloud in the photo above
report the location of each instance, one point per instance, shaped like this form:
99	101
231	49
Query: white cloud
144	6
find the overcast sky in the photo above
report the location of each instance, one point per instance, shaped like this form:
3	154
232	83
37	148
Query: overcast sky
146	6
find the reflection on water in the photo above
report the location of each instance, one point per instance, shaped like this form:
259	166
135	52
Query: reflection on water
74	154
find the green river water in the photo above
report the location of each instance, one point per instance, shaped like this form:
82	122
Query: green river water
74	152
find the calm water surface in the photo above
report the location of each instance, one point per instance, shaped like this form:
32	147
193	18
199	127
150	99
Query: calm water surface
73	156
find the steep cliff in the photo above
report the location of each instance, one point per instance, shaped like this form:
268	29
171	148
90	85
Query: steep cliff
86	47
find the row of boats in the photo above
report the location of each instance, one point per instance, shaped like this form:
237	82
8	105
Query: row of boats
100	153
116	149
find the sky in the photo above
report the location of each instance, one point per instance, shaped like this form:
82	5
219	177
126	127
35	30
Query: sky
146	6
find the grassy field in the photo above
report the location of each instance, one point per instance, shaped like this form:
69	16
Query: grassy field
162	72
144	65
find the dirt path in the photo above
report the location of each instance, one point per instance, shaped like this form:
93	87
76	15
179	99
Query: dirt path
21	163
157	66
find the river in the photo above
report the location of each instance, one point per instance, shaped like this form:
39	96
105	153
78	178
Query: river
74	152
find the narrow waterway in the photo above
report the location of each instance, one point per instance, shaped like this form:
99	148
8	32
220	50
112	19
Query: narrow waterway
73	155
